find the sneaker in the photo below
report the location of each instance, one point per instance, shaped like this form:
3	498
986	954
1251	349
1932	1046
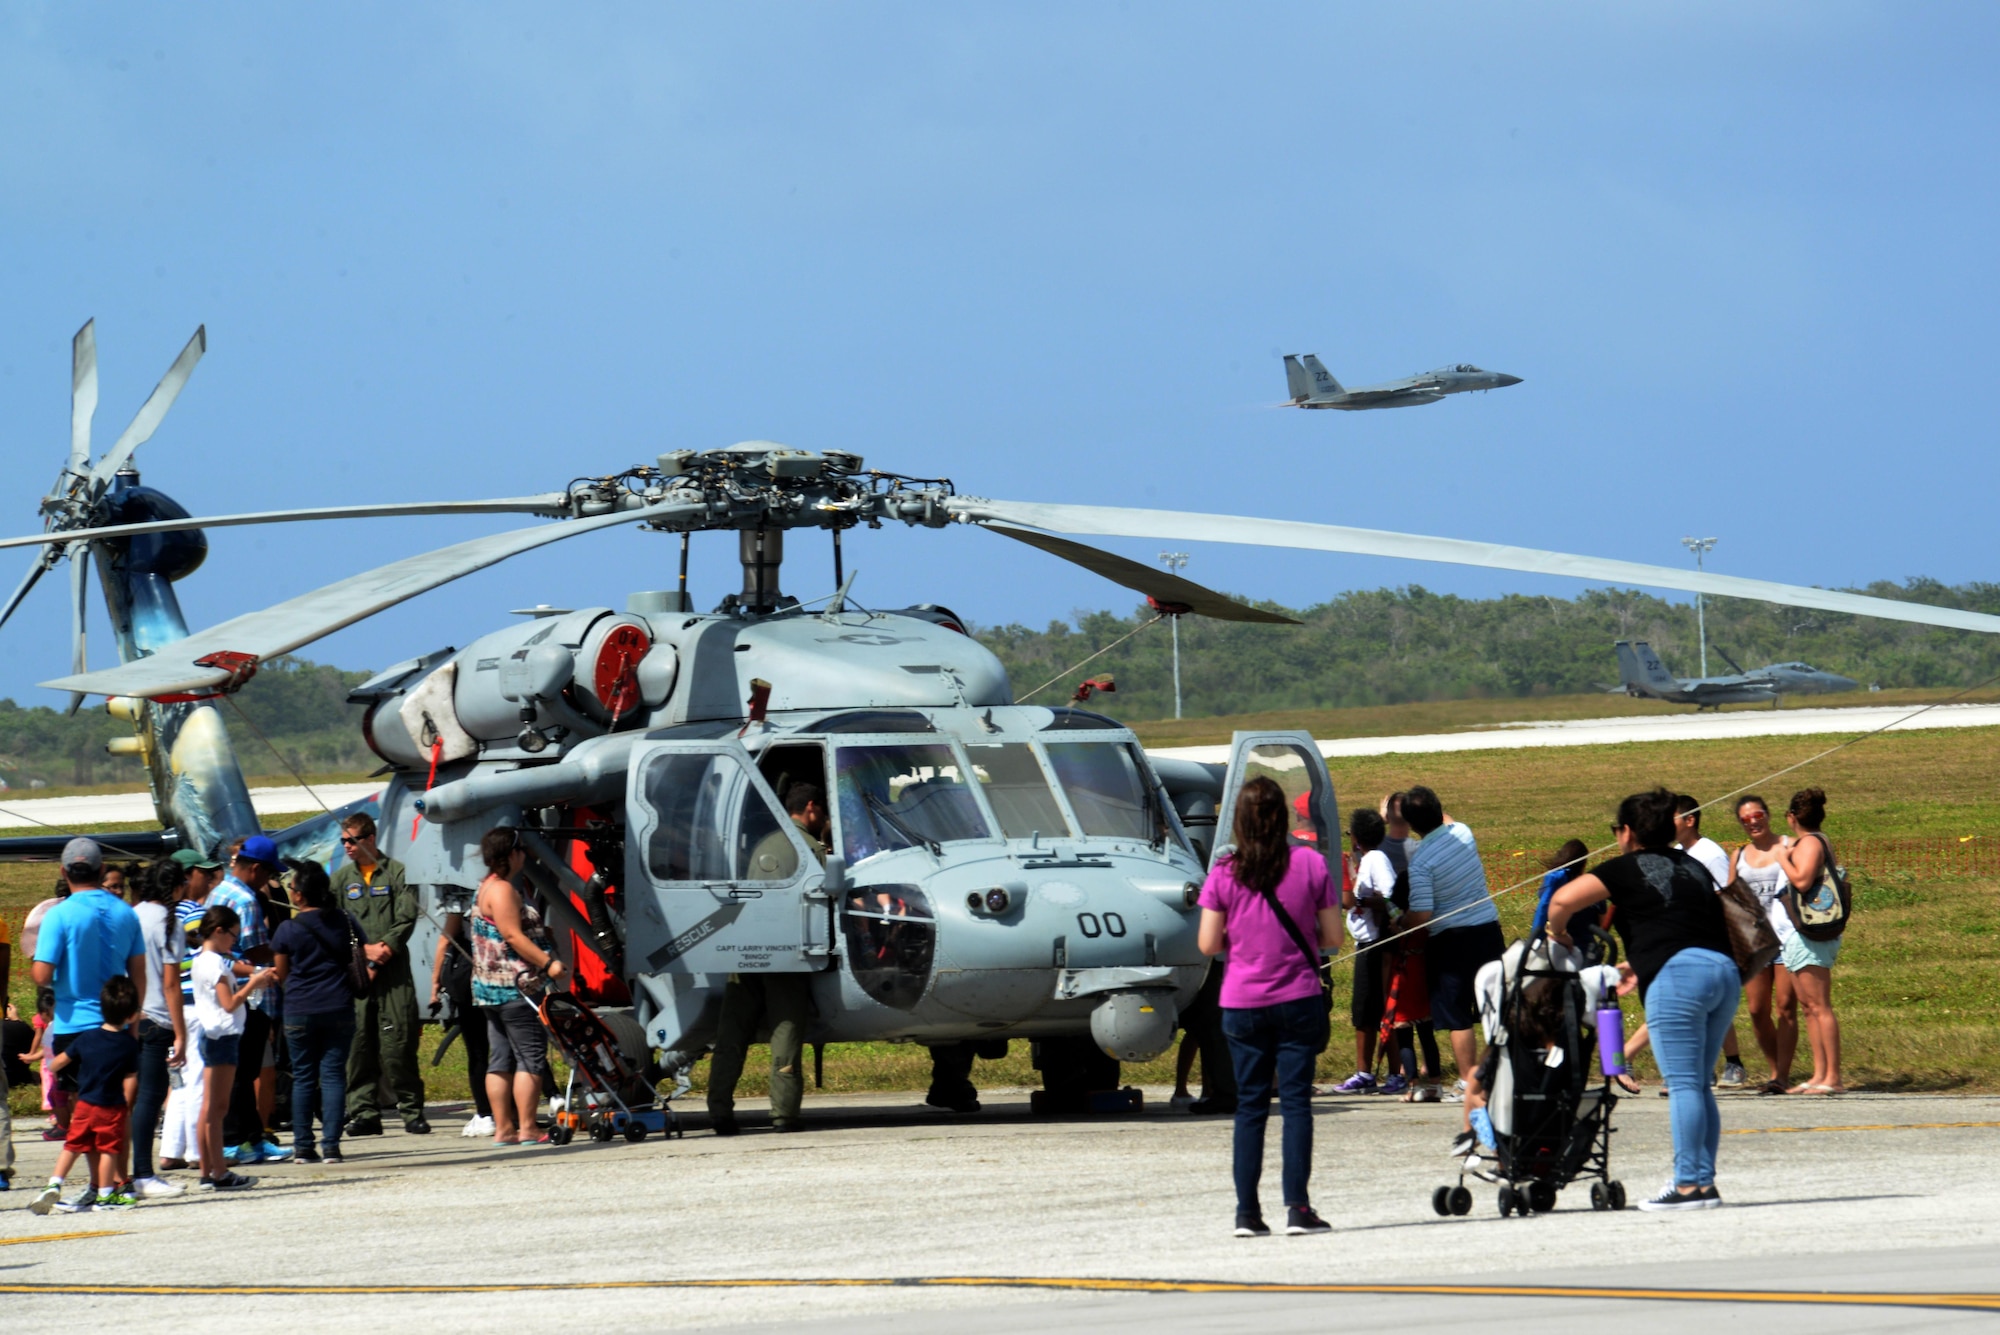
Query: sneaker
1361	1082
1462	1144
115	1200
81	1203
365	1126
46	1200
1300	1219
1458	1089
1427	1094
1251	1226
478	1126
231	1181
54	1133
271	1152
418	1127
1671	1197
236	1154
332	1154
305	1154
151	1188
1732	1075
1395	1084
1180	1101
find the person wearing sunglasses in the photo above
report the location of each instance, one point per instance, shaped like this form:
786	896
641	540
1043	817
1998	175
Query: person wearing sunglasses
386	1029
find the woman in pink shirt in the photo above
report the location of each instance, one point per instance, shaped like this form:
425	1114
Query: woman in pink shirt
1274	908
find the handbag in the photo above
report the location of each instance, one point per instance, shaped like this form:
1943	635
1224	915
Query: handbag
1752	939
1821	913
360	979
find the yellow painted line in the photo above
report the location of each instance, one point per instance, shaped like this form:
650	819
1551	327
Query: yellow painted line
64	1237
1877	1126
1983	1302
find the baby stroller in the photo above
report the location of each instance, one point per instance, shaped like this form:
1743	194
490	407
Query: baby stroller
1549	1101
603	1086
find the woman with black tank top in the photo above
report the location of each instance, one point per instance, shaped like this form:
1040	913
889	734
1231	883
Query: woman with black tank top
1677	954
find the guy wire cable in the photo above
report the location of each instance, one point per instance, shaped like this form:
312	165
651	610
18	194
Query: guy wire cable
251	723
1493	895
1023	699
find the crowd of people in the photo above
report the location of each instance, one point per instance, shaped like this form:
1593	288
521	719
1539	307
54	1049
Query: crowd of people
1424	926
187	1010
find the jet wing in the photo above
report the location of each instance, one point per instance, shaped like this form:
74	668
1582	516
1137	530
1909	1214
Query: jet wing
1389	391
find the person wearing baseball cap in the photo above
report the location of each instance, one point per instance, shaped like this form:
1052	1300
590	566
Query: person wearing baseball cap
254	866
87	938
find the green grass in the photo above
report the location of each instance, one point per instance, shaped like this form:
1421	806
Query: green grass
1913	986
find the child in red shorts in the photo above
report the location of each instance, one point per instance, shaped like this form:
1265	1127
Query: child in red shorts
107	1062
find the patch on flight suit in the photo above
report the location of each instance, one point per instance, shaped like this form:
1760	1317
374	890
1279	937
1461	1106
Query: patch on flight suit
354	892
378	891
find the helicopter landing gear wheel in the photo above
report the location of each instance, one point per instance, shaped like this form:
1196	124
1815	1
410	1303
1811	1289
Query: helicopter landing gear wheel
1441	1201
1461	1200
1600	1196
1617	1193
1541	1197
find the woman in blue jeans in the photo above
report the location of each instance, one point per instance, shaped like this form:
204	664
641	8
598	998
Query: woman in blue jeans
1274	1009
312	950
1677	953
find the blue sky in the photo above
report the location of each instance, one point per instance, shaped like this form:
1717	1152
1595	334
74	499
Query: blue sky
1743	256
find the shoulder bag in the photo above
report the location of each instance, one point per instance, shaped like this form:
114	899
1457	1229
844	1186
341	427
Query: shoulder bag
1752	939
1321	970
1821	913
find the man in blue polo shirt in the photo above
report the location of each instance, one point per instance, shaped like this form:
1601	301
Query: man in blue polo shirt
1448	888
85	940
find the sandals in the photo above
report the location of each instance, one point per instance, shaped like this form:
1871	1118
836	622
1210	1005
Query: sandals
1772	1087
1626	1083
1816	1091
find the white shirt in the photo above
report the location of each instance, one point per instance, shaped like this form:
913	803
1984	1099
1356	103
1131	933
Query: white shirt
164	949
1710	855
209	969
1374	879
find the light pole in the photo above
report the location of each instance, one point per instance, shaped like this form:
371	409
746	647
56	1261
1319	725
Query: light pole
1176	562
1700	547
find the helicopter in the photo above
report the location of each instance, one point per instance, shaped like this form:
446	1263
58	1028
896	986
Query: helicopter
995	869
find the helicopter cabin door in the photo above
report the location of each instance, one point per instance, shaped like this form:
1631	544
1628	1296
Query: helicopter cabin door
728	883
1293	761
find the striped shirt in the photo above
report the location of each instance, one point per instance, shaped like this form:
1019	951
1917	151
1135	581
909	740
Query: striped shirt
1446	875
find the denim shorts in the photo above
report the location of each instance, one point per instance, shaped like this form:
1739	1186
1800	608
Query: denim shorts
220	1049
1799	953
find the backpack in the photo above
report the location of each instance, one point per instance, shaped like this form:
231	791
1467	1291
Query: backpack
1821	913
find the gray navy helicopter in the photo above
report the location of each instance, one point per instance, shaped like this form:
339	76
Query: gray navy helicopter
997	869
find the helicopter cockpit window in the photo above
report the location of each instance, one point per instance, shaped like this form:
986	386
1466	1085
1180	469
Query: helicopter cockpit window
711	821
1017	789
894	797
890	941
1109	790
875	720
1079	720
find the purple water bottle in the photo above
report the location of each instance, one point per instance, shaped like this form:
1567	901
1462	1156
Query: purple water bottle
1611	1041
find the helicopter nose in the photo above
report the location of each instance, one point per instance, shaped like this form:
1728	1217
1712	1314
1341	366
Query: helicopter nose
1504	380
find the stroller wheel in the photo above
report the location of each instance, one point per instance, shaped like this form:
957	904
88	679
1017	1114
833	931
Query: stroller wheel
1441	1200
600	1132
1600	1196
1541	1197
1617	1193
561	1135
1508	1200
635	1132
1461	1200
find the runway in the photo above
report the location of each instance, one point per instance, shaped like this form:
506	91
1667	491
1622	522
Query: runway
1649	728
1865	1213
127	808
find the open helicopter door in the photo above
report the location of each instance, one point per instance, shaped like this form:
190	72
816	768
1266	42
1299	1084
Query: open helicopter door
722	881
1293	760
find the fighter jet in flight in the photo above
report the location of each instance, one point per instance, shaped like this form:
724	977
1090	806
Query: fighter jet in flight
1313	386
1646	676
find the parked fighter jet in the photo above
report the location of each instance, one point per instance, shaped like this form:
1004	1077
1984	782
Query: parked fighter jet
1645	676
1313	386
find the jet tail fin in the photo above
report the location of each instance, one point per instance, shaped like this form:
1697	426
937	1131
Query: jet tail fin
1298	384
1641	669
1322	379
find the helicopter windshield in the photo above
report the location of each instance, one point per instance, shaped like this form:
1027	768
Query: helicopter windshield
1108	789
894	797
1017	789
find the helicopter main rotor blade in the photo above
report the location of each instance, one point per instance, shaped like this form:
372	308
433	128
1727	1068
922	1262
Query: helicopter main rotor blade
550	505
1182	526
35	572
148	418
82	396
79	609
1160	585
299	621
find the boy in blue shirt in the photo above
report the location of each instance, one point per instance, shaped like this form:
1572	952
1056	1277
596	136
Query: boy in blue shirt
105	1062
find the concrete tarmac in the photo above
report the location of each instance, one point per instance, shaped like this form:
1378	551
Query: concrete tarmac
891	1217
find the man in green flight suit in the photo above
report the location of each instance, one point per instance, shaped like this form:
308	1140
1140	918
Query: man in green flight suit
386	1029
781	1000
